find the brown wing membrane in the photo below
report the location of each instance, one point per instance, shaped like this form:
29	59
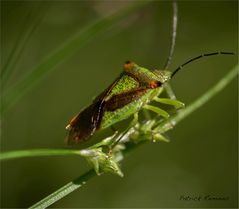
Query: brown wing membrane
120	100
83	125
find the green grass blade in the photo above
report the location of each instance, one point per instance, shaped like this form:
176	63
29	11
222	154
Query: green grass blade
29	26
37	153
66	50
65	190
15	48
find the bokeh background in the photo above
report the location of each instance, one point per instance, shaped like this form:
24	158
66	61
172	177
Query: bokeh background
201	158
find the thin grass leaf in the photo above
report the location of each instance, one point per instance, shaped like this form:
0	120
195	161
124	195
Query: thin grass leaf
16	45
29	26
37	153
65	190
12	96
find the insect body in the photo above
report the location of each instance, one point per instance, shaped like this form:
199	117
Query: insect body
131	91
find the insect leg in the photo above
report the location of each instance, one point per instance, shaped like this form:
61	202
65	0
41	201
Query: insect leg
157	110
168	101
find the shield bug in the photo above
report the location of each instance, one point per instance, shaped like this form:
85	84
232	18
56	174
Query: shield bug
127	95
132	91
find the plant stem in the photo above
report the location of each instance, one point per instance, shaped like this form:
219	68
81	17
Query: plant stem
70	187
37	153
65	190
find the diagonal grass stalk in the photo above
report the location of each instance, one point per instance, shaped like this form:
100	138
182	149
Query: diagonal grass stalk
30	24
16	92
65	190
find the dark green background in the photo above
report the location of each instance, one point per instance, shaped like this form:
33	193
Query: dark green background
201	158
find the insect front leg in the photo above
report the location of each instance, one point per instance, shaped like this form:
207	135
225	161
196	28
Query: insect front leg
176	103
149	130
157	110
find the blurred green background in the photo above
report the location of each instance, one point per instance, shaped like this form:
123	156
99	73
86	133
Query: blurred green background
201	158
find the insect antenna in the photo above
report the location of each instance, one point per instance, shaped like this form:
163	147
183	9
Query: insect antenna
173	35
198	57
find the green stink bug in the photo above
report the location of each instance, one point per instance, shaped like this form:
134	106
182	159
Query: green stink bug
133	90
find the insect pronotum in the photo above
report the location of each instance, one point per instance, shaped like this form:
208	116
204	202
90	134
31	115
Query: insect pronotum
132	91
